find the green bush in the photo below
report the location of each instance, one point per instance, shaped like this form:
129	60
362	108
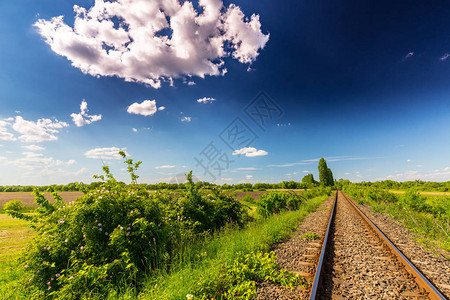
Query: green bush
248	198
15	205
114	234
275	202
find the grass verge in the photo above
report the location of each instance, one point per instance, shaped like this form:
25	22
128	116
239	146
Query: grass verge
14	235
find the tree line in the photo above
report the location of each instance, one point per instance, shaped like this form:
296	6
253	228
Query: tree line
308	181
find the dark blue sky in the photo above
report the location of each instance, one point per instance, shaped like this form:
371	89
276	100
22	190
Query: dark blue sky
362	83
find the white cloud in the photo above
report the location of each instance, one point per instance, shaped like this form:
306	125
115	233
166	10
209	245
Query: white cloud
34	148
436	175
161	108
408	160
186	119
83	118
70	162
409	55
328	159
250	152
145	108
105	153
34	161
5	135
134	129
206	100
247	169
444	57
39	131
347	173
154	41
165	167
248	177
305	171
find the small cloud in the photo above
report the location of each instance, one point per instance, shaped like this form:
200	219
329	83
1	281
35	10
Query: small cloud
305	171
444	57
70	162
250	152
226	179
83	118
165	167
249	176
206	100
145	108
347	173
161	108
105	153
409	55
186	119
34	148
134	129
191	83
247	169
408	160
146	128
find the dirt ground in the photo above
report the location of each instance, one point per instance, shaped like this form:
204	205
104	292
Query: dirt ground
28	198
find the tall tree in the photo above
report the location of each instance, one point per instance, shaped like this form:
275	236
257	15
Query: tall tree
325	174
308	180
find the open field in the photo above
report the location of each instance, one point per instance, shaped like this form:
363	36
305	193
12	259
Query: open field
423	193
14	234
28	198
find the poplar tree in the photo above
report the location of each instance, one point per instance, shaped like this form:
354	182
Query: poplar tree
325	174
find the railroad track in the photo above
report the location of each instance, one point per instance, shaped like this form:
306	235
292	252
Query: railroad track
356	260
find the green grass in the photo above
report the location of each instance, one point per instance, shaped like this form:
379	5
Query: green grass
310	236
14	235
431	231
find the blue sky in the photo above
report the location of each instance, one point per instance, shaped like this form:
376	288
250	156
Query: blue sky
366	86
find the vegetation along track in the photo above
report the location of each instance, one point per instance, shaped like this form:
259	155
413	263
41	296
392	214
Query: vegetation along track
359	262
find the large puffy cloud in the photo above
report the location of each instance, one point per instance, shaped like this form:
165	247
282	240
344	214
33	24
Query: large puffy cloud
145	108
152	41
83	118
250	152
39	131
105	153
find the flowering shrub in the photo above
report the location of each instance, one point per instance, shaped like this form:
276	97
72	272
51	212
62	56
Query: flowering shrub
115	233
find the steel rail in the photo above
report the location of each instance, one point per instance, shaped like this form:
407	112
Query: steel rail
420	279
316	281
